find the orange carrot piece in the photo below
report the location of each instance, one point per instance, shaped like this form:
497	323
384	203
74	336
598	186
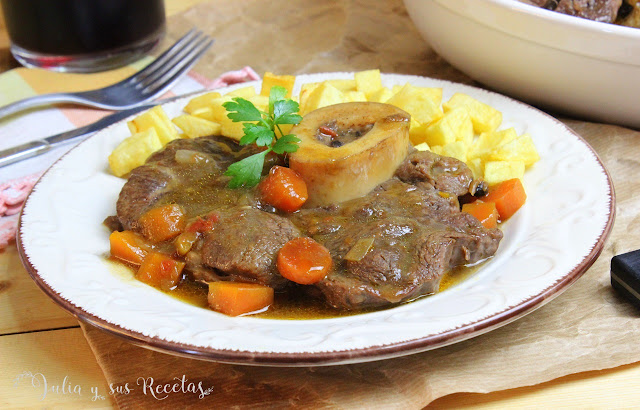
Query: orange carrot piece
235	298
304	261
160	270
508	196
283	188
162	223
128	246
203	223
485	212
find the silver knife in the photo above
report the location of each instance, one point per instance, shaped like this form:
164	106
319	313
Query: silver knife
38	147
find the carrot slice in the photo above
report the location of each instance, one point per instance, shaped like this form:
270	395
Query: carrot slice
160	270
508	196
283	188
128	246
162	223
485	212
235	298
303	260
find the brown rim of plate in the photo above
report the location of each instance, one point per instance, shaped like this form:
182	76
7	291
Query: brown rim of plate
339	357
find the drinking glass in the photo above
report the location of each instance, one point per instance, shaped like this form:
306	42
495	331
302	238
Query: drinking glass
82	35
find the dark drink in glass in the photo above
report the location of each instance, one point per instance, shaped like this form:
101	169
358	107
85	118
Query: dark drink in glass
82	35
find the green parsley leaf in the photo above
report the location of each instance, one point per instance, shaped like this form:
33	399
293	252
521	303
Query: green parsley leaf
246	172
263	137
284	112
242	110
286	143
260	129
276	93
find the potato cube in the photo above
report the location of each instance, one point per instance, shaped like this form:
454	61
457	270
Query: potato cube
200	102
230	129
270	79
368	81
343	85
498	171
484	117
154	118
423	147
456	149
454	126
416	132
260	101
244	92
325	94
305	92
216	111
422	103
476	165
134	151
521	148
194	127
487	142
355	96
381	96
204	113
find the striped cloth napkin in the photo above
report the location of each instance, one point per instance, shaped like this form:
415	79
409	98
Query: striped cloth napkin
17	180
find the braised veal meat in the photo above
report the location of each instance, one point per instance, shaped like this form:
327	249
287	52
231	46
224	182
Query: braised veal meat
244	244
418	234
412	223
604	11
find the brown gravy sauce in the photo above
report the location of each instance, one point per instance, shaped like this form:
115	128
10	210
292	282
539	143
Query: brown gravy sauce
287	305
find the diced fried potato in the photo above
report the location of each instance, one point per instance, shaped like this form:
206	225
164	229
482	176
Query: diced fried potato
521	148
355	96
260	101
422	103
455	125
343	85
154	118
305	92
325	94
423	147
416	132
368	81
134	151
194	127
230	129
244	92
456	149
498	171
270	79
200	102
484	117
477	167
204	113
487	142
216	112
381	96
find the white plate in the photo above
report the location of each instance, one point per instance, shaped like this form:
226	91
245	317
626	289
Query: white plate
547	245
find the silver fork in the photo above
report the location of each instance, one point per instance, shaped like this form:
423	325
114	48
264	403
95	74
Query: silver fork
149	82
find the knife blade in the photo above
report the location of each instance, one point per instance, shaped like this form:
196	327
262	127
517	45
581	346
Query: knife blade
38	147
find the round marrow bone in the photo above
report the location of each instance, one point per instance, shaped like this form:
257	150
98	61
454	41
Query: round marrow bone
334	175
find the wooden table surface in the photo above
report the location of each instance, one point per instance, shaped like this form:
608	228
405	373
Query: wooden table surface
39	337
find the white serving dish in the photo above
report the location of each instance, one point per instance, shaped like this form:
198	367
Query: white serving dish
563	63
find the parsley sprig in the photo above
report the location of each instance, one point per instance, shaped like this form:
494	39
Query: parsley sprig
260	128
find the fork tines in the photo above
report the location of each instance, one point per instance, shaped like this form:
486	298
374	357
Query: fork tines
167	68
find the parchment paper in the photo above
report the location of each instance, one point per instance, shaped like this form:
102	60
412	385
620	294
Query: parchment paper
589	327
